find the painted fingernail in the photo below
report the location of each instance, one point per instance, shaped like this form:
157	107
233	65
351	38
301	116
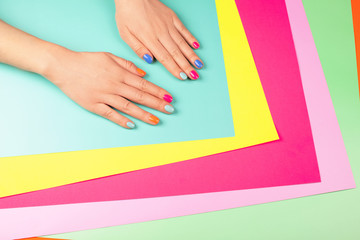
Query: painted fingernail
194	74
130	125
155	120
196	45
168	98
183	76
169	108
148	58
198	64
141	72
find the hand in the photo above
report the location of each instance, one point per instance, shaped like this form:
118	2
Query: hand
151	29
101	82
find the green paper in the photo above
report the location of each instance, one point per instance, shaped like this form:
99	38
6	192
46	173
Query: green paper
38	118
330	216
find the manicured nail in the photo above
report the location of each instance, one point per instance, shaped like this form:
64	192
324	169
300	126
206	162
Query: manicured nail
183	76
130	125
194	74
148	58
169	108
154	119
168	98
141	72
198	64
196	45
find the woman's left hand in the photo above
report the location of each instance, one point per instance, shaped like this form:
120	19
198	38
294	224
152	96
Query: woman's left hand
152	29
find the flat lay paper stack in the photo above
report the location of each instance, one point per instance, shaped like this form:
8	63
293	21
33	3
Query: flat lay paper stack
291	160
272	63
253	122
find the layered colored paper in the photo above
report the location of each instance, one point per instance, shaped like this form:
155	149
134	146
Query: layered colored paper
335	170
252	118
355	5
333	162
291	160
46	121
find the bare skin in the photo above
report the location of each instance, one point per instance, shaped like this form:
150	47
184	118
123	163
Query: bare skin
100	82
150	27
103	83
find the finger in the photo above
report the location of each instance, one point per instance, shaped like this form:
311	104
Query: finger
128	65
186	33
138	47
131	109
178	56
112	115
143	98
149	87
187	51
162	55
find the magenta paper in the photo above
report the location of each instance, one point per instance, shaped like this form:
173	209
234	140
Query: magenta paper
291	160
333	162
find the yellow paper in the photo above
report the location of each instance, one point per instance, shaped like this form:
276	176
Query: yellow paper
252	120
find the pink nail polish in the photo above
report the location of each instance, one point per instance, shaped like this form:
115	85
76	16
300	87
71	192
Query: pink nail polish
194	74
196	45
168	98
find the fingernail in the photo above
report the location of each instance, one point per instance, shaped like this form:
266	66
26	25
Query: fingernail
141	72
196	45
168	98
194	74
148	58
154	119
169	108
183	76
198	64
130	125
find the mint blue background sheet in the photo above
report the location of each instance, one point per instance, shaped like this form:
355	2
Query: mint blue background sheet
36	117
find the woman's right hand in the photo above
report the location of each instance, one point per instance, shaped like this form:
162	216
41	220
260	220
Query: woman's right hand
102	82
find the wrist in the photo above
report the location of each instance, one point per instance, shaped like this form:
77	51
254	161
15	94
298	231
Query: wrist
49	59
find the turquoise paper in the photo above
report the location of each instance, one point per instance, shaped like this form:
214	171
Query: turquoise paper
38	118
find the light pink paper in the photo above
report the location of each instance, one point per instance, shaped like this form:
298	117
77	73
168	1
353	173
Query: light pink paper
334	168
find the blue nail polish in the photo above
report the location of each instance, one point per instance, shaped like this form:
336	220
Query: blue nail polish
183	76
130	125
148	58
198	64
169	108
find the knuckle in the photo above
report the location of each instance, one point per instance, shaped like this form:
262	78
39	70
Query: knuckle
193	56
138	49
129	64
165	58
126	107
182	28
181	42
175	53
140	96
109	113
143	84
172	14
163	32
